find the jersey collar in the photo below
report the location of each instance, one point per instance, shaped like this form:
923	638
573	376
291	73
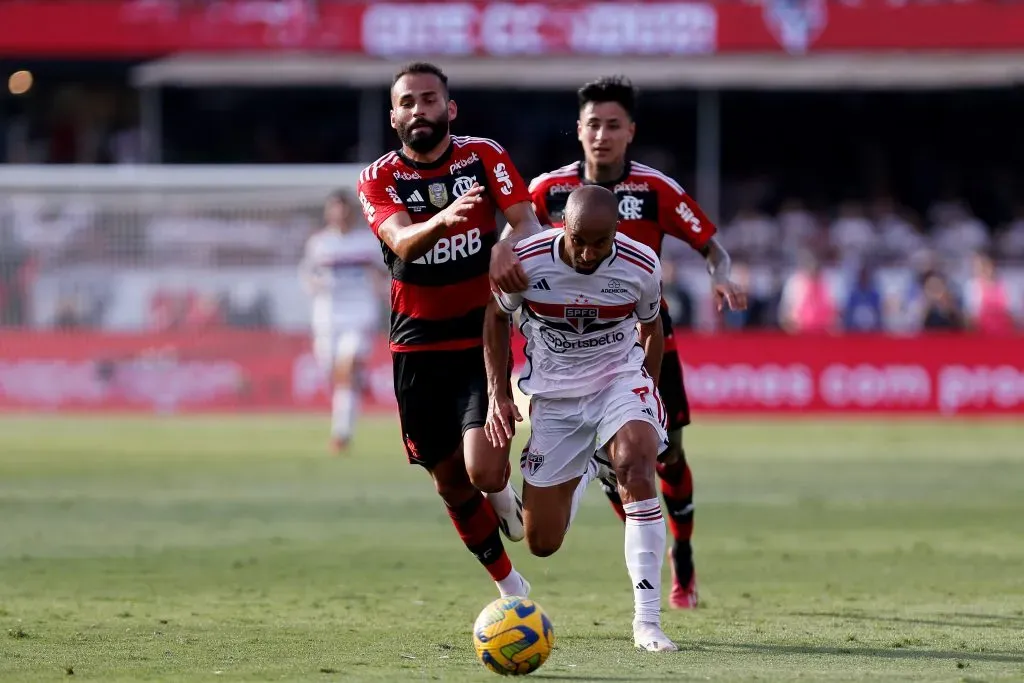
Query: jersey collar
581	171
436	163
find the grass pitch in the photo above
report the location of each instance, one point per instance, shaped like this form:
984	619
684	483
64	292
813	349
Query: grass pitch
236	549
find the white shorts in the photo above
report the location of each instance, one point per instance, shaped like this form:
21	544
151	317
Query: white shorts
330	347
566	432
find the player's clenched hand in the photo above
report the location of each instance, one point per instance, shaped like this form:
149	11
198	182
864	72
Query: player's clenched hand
458	212
507	272
729	294
502	415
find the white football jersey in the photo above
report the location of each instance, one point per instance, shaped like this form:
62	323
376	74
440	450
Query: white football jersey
342	267
581	329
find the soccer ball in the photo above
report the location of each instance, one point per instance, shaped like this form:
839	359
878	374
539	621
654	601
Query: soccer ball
513	636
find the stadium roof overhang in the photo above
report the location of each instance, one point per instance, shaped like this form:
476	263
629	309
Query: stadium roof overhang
831	71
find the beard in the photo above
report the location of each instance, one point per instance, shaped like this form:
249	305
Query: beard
423	135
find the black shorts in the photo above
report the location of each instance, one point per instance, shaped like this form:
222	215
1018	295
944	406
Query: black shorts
441	395
670	384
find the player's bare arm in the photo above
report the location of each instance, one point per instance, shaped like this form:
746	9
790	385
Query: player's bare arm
411	240
727	292
652	338
502	413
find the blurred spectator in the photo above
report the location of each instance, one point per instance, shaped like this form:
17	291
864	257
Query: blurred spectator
202	311
807	305
987	300
798	228
853	236
957	232
752	236
899	231
762	304
863	310
940	310
1011	239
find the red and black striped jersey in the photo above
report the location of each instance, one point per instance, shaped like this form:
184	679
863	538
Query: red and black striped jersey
651	204
438	300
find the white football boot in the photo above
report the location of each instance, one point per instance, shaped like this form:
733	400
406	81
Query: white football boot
509	507
650	638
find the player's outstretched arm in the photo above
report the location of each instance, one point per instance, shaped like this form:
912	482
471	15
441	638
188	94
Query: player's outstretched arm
652	338
727	293
502	413
507	272
411	240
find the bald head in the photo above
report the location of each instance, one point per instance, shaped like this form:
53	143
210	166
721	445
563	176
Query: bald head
591	218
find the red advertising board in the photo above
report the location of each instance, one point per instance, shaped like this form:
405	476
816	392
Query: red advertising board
725	374
135	28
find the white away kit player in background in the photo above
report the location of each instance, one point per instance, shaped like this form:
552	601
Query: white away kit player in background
343	271
592	376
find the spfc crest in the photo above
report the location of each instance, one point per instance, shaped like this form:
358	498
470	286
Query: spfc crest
534	461
580	317
438	195
796	24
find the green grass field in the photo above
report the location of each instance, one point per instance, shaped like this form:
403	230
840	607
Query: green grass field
236	549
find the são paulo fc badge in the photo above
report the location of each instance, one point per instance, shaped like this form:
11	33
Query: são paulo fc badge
438	195
534	462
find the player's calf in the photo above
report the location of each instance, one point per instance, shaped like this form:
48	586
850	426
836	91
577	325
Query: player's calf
634	452
547	512
476	522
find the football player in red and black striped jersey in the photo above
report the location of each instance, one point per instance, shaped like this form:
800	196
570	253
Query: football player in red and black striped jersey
651	206
433	204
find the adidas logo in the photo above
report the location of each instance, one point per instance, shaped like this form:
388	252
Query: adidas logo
415	198
541	284
645	585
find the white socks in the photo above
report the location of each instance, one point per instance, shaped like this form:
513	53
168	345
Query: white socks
581	490
343	412
513	584
645	553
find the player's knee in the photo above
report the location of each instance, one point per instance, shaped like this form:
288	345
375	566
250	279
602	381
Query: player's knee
487	478
542	542
453	485
634	462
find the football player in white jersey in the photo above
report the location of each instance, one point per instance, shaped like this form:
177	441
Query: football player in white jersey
343	271
592	376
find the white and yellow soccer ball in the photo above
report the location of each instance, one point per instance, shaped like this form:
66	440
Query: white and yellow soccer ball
513	636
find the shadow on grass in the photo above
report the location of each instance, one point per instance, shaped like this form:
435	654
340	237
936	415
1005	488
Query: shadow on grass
956	620
907	652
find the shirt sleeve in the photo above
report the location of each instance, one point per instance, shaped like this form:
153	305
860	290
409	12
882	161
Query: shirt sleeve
539	195
509	303
504	183
649	306
682	217
378	196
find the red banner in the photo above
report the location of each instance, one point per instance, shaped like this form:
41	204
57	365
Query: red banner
754	374
127	28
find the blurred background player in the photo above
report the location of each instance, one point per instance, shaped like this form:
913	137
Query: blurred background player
343	271
651	205
433	205
594	341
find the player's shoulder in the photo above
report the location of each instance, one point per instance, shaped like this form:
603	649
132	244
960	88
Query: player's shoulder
471	143
636	254
380	168
643	173
569	173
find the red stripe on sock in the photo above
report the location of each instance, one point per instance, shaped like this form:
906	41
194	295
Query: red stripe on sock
677	488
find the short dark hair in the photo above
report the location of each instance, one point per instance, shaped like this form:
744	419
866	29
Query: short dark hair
422	68
617	89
